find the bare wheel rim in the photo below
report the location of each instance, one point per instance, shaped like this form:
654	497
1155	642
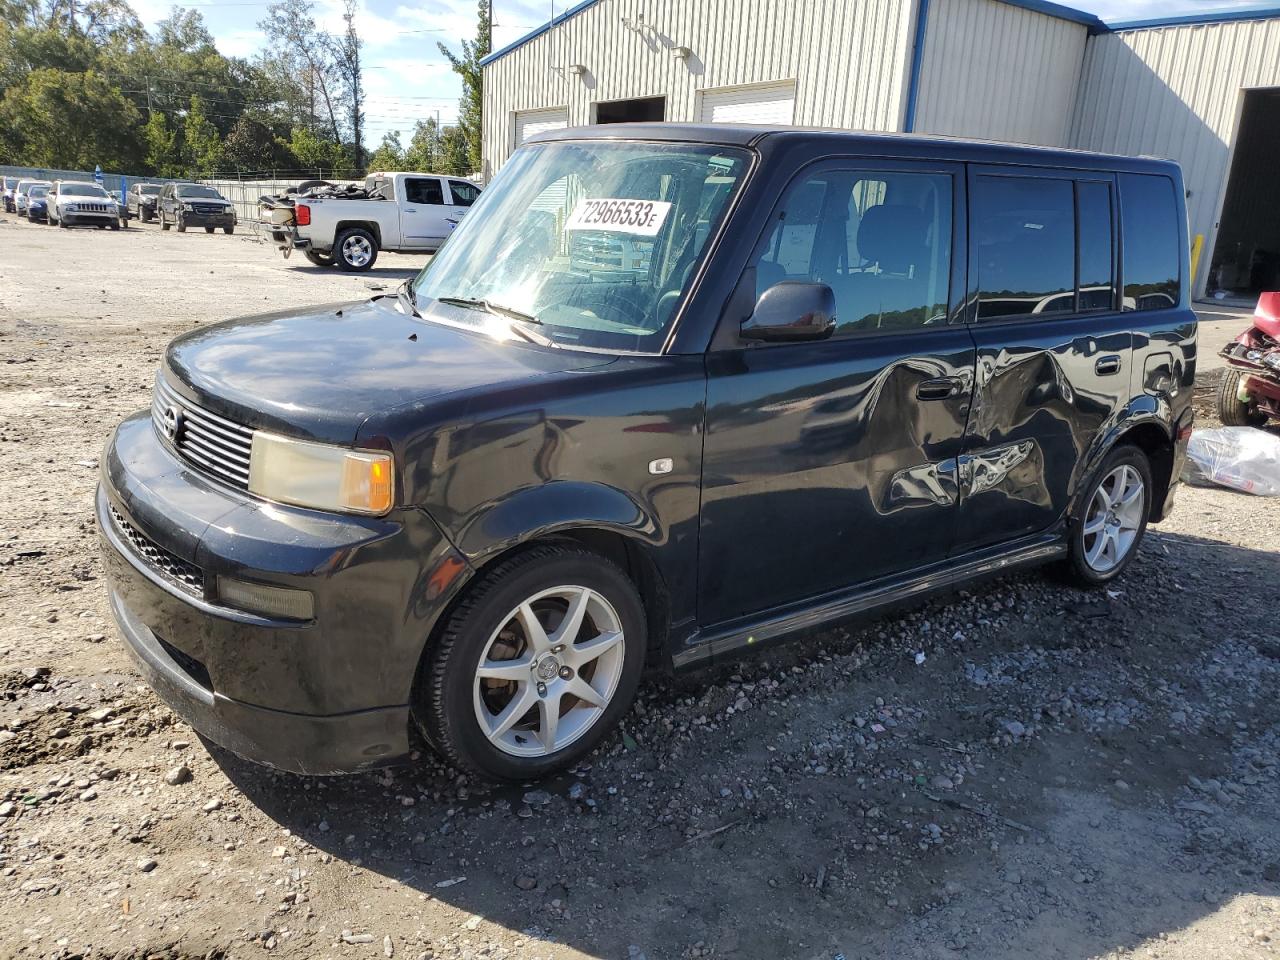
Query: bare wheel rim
356	251
1114	518
547	674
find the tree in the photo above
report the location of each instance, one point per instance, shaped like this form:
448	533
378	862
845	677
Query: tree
456	150
390	154
70	120
426	151
162	154
252	147
305	58
347	54
471	105
202	144
317	155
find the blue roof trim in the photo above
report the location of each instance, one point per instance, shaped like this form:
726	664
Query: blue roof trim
539	31
1046	7
917	64
1222	16
1061	12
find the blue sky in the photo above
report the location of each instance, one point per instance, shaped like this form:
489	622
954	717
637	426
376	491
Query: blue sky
407	78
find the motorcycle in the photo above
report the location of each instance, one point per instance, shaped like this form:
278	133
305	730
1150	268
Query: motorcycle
1250	391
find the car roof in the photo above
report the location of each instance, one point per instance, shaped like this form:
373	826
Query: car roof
903	145
77	183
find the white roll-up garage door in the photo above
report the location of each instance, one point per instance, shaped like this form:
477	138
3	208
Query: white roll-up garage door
773	103
532	122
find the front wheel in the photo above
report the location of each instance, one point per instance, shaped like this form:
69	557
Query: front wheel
1111	519
229	230
208	229
538	661
1232	411
355	250
164	223
182	224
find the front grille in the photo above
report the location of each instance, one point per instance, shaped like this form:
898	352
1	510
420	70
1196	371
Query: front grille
208	209
182	574
92	208
217	445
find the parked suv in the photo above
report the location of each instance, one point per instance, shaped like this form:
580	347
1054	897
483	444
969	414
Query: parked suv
141	201
78	202
838	371
195	205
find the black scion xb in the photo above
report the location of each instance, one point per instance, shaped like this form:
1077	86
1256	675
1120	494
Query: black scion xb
668	391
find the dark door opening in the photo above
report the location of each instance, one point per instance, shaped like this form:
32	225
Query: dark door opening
638	110
1246	256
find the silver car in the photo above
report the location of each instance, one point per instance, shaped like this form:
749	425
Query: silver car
20	194
73	202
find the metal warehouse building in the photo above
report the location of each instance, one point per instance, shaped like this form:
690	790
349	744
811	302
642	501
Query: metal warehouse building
1204	90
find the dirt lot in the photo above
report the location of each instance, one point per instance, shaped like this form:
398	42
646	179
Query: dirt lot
1066	775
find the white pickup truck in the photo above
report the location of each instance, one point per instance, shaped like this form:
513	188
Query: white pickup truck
401	212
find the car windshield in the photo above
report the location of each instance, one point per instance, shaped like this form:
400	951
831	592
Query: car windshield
38	191
10	182
81	190
198	192
593	244
149	190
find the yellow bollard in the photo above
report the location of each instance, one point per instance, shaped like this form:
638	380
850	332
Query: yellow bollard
1197	244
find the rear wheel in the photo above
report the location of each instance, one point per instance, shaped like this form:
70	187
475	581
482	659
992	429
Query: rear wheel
1232	411
538	661
355	250
1111	519
319	259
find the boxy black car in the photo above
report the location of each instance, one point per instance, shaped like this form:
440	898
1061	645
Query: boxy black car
185	205
827	372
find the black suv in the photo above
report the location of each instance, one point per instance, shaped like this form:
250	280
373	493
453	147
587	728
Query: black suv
195	205
827	372
141	201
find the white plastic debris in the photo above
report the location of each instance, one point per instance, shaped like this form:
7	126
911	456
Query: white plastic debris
1242	458
919	657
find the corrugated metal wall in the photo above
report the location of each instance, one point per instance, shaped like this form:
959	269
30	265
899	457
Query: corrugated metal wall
998	72
849	59
1176	92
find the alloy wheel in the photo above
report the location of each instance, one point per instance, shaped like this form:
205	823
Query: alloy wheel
1114	518
356	251
549	671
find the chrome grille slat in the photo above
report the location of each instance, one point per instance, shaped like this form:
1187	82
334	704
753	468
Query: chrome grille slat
219	446
181	573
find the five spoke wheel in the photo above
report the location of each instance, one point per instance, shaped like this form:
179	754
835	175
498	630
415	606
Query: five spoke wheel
549	671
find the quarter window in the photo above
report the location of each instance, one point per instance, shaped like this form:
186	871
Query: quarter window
1093	212
1152	267
880	240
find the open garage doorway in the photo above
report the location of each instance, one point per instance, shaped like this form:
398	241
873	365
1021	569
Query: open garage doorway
636	110
1246	256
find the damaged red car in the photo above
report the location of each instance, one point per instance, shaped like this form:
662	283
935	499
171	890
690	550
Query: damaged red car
1250	392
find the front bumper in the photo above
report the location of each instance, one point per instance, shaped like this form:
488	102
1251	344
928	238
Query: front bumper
208	219
90	217
327	696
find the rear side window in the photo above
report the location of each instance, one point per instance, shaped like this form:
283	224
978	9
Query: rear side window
423	191
1093	215
1024	230
1149	219
464	194
880	240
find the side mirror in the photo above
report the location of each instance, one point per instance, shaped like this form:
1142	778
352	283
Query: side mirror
792	310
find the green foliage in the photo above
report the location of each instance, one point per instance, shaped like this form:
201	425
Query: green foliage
470	107
317	155
389	155
201	142
456	150
161	142
72	120
426	148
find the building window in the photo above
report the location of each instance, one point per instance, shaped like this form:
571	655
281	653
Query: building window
1149	219
880	240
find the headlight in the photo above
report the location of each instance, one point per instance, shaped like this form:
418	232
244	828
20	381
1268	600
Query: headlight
320	476
71	206
188	207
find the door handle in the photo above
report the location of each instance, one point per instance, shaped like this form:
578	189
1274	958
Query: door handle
1107	365
940	388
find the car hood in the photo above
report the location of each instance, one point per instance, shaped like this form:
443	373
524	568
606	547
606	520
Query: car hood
321	372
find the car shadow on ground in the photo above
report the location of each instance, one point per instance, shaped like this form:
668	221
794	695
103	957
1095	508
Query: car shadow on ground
1067	774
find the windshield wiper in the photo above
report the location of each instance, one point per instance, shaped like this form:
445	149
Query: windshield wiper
521	321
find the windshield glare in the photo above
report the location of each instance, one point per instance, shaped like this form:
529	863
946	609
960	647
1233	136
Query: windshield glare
199	192
149	190
38	191
597	240
81	190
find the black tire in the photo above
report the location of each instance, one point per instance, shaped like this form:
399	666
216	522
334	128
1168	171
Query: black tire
319	259
1231	411
1077	566
101	226
229	230
114	226
444	705
62	222
182	224
209	229
342	255
164	224
144	215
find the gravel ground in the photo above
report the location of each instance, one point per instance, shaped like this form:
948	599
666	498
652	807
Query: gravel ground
1065	775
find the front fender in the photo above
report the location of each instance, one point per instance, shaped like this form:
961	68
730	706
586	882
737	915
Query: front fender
538	511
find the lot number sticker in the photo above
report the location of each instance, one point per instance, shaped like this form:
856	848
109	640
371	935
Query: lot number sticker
641	217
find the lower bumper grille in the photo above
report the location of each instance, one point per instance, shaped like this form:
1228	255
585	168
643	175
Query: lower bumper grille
185	575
